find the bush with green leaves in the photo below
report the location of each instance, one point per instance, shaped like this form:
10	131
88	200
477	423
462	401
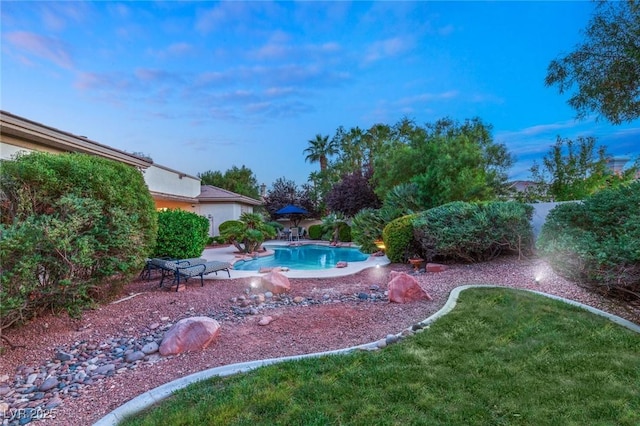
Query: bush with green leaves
181	234
74	228
597	242
366	229
248	233
399	240
474	232
344	233
227	224
315	232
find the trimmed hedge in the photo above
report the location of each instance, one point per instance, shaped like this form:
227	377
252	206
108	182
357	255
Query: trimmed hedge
74	228
597	242
474	232
181	234
315	232
399	240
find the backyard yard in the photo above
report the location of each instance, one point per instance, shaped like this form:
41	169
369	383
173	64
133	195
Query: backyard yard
329	314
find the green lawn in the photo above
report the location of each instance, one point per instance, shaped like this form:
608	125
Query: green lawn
501	357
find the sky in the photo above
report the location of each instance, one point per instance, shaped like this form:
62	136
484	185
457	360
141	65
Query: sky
201	86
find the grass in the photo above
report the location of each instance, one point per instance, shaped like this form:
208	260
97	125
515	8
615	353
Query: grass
501	357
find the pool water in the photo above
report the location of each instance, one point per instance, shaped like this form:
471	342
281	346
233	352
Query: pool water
303	257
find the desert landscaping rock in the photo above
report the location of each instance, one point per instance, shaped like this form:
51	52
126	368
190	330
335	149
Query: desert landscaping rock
265	320
190	334
404	288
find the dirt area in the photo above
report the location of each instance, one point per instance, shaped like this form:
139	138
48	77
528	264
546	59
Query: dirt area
334	314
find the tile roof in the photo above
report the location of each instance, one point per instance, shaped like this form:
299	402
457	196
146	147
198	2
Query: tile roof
212	193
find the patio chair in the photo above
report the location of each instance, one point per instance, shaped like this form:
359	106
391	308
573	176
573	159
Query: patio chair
200	270
294	235
168	266
188	268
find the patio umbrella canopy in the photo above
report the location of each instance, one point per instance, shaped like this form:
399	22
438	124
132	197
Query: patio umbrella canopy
295	213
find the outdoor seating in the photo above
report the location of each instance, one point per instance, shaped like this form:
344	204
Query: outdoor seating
200	270
294	235
187	268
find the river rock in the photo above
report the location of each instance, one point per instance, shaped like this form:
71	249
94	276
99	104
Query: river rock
48	384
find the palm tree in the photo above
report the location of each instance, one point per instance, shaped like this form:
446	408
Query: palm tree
319	151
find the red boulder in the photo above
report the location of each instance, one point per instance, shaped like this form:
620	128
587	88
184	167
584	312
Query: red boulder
275	282
404	288
189	334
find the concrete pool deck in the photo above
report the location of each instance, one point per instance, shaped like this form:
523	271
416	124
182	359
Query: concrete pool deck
228	254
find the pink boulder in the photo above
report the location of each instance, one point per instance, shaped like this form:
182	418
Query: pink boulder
435	267
404	288
275	282
189	334
265	320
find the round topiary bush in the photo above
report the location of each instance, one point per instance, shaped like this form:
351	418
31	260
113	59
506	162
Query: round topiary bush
315	232
398	239
181	234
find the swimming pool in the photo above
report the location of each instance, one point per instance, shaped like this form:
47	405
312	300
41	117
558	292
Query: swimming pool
305	257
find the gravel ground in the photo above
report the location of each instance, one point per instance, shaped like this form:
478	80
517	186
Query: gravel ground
331	317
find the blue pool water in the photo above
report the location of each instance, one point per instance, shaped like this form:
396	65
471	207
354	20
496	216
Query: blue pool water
303	257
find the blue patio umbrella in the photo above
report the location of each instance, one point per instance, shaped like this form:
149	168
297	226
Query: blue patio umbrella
295	213
291	209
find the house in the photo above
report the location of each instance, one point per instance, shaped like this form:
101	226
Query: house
170	189
219	205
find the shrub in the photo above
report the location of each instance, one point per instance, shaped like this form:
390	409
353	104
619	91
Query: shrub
222	228
74	228
366	229
344	232
315	232
248	233
597	242
398	239
474	232
181	234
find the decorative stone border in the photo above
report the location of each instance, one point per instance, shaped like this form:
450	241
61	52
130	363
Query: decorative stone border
160	393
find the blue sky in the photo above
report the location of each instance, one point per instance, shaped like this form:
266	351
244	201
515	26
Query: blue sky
207	86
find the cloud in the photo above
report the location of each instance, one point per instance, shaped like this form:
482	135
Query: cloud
388	48
280	47
427	97
540	129
174	50
57	16
232	16
446	30
157	77
41	46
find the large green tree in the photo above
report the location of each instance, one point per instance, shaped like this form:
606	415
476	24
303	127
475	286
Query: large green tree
447	161
240	180
574	170
605	68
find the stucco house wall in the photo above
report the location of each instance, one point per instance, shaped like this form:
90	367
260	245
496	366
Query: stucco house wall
170	189
219	205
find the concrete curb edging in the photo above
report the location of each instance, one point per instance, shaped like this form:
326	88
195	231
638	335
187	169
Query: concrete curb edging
158	394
